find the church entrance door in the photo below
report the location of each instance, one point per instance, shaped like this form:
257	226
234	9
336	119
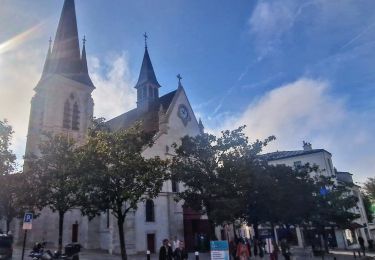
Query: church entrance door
151	242
75	233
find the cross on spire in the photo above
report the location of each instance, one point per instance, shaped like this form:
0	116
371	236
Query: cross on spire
179	79
146	37
84	40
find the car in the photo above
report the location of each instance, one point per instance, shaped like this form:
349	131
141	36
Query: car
6	247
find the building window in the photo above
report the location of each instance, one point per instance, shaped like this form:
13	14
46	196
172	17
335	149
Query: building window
67	115
75	117
150	211
174	185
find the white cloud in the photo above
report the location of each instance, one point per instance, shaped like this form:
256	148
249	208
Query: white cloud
114	93
306	110
20	71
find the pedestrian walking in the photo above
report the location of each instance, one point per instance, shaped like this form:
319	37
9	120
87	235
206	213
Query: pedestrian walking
285	249
165	252
242	250
248	244
275	251
175	243
361	242
180	252
233	249
255	244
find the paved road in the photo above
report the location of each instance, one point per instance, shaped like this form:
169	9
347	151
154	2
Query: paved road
297	255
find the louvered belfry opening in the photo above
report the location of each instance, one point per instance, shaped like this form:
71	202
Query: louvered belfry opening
67	115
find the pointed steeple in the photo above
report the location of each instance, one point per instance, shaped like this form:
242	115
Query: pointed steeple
47	64
66	52
147	74
83	58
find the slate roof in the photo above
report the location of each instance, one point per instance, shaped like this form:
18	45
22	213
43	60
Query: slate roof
149	118
147	74
65	58
288	154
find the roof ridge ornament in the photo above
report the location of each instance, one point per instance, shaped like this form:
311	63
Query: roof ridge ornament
179	79
146	37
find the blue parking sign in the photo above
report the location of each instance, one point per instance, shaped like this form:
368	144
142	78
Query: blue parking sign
28	218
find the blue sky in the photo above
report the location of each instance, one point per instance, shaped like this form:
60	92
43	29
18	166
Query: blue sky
302	70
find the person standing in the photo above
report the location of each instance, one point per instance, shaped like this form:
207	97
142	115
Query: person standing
275	251
180	253
361	242
165	252
175	243
242	251
285	249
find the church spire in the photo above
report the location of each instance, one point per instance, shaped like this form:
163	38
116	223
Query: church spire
47	64
66	52
147	85
83	57
147	74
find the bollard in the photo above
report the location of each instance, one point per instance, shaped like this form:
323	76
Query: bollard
196	255
148	255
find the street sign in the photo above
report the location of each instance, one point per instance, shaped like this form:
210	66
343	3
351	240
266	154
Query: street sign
28	221
219	250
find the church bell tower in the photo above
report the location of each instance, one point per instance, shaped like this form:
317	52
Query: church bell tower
62	102
147	85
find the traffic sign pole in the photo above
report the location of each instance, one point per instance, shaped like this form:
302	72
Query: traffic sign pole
27	225
24	244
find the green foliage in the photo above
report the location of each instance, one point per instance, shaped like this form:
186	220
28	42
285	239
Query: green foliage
8	180
116	176
368	207
215	173
7	157
280	195
332	207
369	187
54	173
53	178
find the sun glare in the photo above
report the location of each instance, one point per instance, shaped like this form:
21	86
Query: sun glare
20	38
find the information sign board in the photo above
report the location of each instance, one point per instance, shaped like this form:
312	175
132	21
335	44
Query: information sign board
219	250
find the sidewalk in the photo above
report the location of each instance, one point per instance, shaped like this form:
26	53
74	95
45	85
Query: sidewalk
297	254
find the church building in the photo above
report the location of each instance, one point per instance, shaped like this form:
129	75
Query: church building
63	104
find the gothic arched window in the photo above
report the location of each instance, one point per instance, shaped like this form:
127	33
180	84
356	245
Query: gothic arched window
75	117
150	211
67	115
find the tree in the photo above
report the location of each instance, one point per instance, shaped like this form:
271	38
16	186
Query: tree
7	157
368	207
279	195
369	187
116	176
8	180
331	206
53	177
213	172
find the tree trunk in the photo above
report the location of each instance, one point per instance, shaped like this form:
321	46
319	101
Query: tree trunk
8	225
212	230
61	227
120	224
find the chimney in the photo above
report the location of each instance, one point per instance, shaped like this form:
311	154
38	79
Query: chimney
307	146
